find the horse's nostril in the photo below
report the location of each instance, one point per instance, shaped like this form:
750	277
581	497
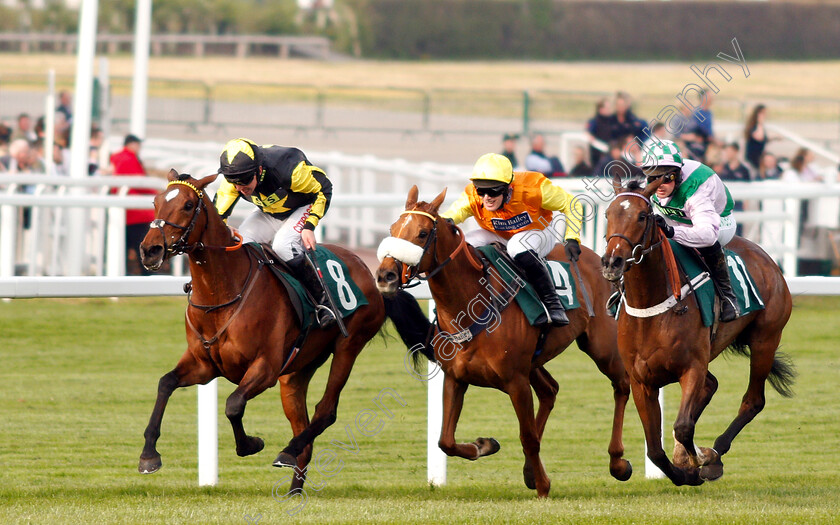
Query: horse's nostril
618	262
390	277
151	252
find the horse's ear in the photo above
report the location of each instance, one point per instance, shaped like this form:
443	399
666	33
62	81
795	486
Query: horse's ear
204	181
172	175
650	189
616	183
412	197
437	201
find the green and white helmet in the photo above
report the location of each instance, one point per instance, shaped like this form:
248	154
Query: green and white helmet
663	153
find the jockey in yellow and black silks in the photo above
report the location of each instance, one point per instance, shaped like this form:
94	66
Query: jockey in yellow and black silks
291	195
515	208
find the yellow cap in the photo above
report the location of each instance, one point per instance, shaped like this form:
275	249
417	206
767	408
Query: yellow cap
492	167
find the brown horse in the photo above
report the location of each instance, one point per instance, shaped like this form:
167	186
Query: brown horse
241	325
502	358
675	346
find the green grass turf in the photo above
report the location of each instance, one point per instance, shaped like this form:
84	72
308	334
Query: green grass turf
79	379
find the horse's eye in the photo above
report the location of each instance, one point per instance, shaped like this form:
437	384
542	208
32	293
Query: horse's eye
189	205
642	217
423	234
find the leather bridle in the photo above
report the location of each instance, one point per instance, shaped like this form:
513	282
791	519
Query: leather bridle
638	249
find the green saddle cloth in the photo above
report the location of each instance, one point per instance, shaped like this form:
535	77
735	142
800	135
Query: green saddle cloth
527	297
749	300
347	295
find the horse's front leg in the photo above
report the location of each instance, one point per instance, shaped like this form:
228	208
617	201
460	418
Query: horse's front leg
453	401
519	391
259	377
647	404
187	372
706	458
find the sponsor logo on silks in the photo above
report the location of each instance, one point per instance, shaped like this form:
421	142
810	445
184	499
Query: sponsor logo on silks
671	212
514	223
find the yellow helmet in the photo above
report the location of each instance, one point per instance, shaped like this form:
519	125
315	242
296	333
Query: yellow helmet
492	169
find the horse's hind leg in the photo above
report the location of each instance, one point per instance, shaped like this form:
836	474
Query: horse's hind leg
293	388
601	347
762	362
187	372
258	377
546	389
519	391
327	409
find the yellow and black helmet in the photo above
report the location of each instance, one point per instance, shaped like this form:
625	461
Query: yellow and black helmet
492	170
239	161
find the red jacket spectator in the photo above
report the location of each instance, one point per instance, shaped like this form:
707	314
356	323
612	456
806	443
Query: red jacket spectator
127	162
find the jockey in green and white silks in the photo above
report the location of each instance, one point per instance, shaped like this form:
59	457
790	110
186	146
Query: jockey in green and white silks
700	207
694	208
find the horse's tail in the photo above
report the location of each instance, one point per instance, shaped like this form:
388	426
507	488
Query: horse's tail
411	323
782	373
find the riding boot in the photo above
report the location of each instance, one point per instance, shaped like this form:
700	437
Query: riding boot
305	273
715	259
537	274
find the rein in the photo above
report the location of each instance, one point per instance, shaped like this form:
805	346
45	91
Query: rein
249	285
182	244
679	293
409	273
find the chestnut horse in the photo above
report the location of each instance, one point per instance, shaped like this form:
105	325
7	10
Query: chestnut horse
241	325
504	357
675	346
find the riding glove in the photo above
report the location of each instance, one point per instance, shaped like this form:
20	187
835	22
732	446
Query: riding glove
666	228
572	250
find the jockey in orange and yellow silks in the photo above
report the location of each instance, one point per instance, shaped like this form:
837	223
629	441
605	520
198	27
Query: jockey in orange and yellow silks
515	208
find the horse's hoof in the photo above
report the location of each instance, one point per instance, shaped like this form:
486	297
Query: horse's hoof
692	477
712	468
487	446
149	465
284	459
623	471
681	458
528	475
251	446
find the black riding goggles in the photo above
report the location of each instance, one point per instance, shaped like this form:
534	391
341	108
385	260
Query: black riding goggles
241	179
491	192
666	178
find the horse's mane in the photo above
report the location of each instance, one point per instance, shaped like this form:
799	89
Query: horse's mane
635	185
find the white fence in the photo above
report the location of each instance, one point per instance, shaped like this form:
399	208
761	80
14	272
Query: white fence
368	195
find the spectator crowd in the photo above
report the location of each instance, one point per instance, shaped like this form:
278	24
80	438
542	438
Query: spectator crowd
617	138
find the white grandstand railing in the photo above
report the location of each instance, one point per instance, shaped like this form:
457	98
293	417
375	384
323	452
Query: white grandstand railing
368	194
62	287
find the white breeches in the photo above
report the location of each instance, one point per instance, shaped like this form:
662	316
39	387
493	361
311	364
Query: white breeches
540	241
284	235
727	230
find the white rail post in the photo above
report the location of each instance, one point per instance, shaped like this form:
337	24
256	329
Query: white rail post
140	81
208	434
436	459
8	236
80	140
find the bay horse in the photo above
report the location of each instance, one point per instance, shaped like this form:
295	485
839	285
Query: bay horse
675	346
504	357
241	325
